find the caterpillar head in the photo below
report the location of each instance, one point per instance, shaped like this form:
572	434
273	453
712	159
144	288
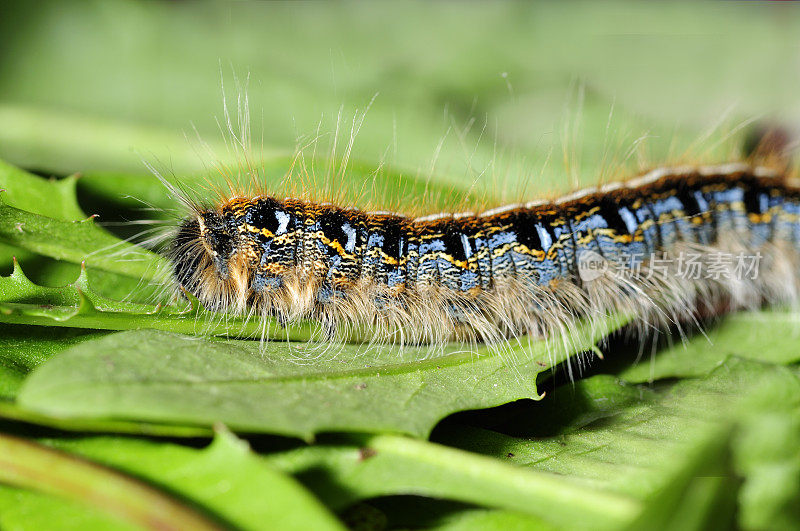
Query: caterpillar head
203	248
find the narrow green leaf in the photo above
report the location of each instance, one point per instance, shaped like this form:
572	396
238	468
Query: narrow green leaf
9	411
226	479
22	509
26	464
387	464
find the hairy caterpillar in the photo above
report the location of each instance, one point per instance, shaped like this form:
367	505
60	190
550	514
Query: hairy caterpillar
532	269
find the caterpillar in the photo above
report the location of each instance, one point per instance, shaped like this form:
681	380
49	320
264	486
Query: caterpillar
672	243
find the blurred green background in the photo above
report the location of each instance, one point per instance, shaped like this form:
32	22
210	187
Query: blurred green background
491	92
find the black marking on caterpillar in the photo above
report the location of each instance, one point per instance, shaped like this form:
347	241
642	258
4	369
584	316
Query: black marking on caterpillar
506	272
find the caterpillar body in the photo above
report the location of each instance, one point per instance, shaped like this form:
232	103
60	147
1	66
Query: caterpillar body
518	270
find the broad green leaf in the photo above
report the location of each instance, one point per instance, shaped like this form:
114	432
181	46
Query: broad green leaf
52	200
766	452
629	448
57	199
159	377
22	348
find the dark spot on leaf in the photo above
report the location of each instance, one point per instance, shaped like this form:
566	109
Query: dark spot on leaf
365	453
360	386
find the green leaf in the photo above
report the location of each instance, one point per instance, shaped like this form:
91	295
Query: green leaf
57	199
226	479
27	509
29	465
667	452
378	465
44	217
384	464
23	348
770	336
159	377
79	306
77	242
766	452
653	447
55	273
53	198
14	415
231	484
